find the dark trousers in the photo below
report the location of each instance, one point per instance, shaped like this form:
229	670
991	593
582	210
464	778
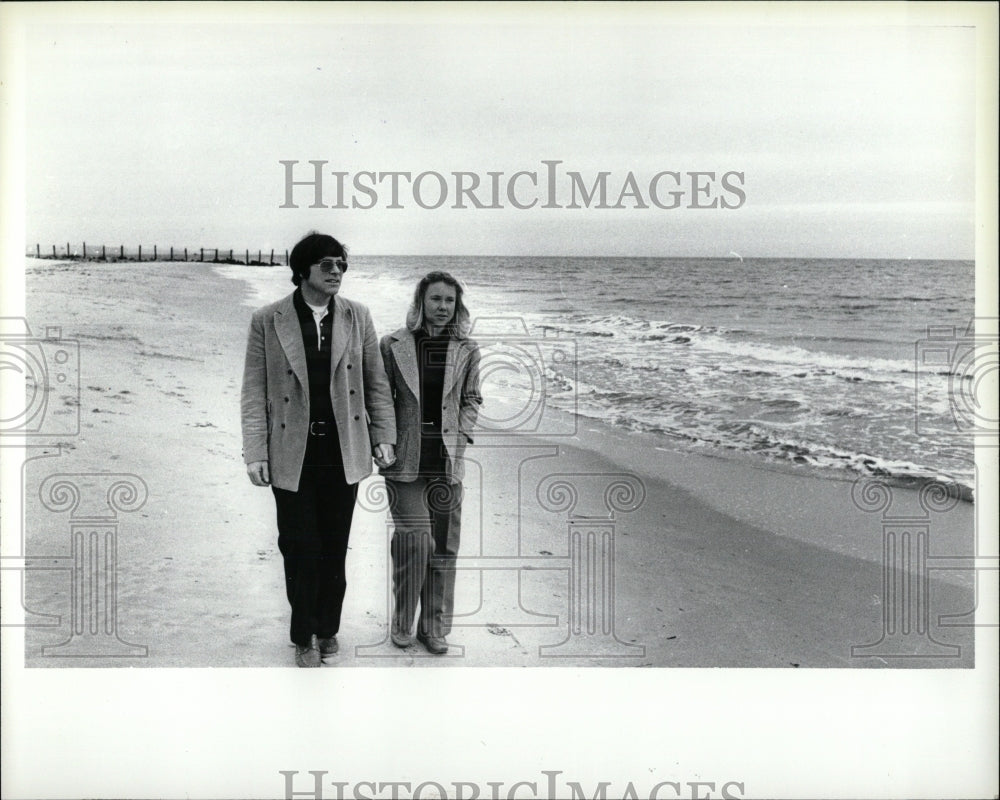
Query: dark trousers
314	525
427	516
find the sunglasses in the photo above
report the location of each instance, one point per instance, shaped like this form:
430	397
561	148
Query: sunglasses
327	265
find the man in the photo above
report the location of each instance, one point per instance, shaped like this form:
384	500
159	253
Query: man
316	407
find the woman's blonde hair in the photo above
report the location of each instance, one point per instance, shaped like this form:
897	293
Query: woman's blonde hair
460	324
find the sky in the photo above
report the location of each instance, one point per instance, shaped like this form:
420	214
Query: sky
853	137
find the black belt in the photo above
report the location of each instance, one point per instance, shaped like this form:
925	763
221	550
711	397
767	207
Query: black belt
319	427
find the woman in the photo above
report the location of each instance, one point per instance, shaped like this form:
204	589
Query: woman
433	370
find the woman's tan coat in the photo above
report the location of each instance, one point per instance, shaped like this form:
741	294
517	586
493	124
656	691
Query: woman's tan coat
460	401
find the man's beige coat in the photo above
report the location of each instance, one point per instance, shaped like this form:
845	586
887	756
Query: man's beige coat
275	399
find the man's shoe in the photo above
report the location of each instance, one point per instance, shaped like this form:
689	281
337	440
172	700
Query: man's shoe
436	645
399	638
328	647
307	656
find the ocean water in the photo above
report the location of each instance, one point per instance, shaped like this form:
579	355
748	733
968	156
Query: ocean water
858	367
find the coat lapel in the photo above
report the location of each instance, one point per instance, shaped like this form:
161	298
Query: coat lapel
454	364
286	325
405	351
343	320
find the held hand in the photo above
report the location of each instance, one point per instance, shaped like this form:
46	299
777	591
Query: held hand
385	455
259	472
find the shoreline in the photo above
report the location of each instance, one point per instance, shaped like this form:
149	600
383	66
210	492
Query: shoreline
662	441
793	456
810	506
722	564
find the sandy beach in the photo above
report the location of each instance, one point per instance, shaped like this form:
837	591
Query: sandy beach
702	561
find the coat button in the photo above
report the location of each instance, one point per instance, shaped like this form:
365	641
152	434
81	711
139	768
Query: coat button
445	430
356	417
444	408
289	372
282	424
351	392
286	399
348	366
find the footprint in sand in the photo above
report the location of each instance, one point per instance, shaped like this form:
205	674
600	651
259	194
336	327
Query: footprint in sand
499	630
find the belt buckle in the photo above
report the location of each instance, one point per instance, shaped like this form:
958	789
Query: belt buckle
313	431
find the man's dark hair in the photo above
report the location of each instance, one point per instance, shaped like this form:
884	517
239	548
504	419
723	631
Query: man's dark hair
313	248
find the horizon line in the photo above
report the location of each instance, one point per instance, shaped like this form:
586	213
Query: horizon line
727	257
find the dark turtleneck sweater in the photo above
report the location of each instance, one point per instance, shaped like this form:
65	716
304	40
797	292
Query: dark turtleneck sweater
432	356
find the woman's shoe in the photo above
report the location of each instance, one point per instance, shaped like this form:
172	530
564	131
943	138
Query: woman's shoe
437	645
399	638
